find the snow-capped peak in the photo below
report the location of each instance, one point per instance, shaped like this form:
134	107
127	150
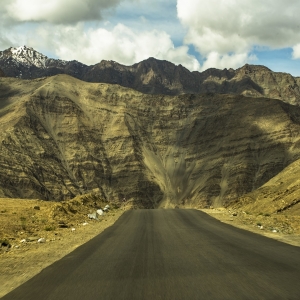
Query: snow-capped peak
28	56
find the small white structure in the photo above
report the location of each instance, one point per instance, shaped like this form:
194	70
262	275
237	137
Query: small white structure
100	212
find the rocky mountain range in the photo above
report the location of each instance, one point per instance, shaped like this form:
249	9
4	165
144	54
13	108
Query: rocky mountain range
60	137
152	133
154	76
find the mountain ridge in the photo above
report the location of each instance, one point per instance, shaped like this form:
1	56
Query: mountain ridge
153	76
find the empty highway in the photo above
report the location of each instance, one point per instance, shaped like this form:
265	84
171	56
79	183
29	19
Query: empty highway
170	254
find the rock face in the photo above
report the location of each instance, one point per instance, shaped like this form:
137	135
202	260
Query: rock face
60	137
154	76
150	76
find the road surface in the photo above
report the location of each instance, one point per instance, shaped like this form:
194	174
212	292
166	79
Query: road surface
170	254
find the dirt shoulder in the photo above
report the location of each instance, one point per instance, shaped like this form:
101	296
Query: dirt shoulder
62	227
283	228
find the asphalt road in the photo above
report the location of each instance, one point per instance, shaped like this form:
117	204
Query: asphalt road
170	254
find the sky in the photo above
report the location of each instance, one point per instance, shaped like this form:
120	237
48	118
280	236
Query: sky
198	34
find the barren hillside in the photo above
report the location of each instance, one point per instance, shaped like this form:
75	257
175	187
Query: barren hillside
61	137
280	195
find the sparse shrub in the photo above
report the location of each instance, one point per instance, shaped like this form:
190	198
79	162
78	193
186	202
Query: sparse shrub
23	222
49	228
76	203
267	215
258	224
115	205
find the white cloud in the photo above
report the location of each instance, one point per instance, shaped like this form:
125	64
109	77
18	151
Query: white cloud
232	28
121	44
216	60
57	11
236	25
296	52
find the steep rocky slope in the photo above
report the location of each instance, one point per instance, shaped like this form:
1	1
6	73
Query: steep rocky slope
150	76
154	76
273	209
256	81
60	137
280	195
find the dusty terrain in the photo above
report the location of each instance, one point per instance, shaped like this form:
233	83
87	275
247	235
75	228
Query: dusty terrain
64	226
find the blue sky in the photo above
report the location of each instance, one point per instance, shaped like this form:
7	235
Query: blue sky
198	34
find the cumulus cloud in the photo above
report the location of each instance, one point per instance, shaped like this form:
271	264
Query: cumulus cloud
121	44
232	28
57	11
217	60
296	52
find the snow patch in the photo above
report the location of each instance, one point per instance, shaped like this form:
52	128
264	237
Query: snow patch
27	56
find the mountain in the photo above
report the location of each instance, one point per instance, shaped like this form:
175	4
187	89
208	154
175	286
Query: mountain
60	137
24	62
150	76
153	76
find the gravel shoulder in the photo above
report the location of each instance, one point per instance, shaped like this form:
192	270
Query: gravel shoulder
283	228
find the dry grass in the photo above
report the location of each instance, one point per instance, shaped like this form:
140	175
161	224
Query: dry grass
36	218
